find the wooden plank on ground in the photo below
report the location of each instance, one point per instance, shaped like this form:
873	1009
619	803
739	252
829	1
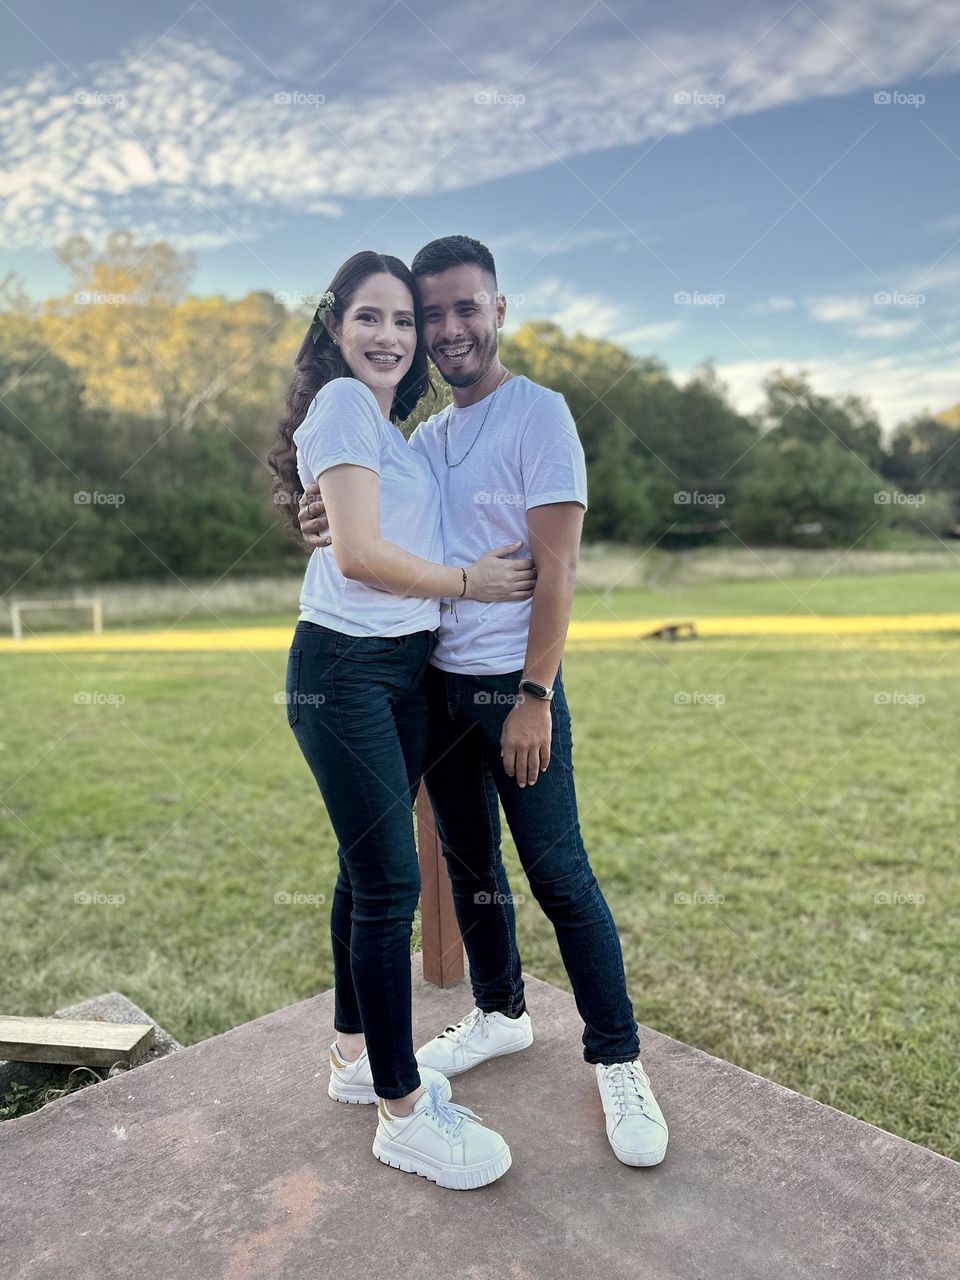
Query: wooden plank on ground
74	1043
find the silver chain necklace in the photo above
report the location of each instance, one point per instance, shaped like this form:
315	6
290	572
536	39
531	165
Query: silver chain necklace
446	452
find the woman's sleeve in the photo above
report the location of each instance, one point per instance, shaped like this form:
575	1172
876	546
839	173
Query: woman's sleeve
340	426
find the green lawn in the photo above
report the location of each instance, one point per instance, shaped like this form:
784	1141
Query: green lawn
930	592
788	808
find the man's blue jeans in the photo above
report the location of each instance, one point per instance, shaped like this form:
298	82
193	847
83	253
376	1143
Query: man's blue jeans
465	777
357	707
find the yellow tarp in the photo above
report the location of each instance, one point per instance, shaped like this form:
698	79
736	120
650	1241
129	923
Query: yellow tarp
582	633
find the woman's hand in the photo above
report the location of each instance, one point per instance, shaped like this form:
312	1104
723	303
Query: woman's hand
493	578
312	514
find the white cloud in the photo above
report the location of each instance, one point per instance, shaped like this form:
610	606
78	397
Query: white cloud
199	150
949	225
545	244
885	314
775	305
897	387
594	314
838	308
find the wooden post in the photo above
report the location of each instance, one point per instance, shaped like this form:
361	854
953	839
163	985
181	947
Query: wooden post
442	944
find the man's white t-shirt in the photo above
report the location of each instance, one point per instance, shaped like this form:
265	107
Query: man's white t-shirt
526	454
344	424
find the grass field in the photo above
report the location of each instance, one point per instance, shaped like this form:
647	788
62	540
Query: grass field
774	823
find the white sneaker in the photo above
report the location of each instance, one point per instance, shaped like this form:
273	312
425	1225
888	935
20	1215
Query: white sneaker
441	1141
635	1125
353	1081
475	1038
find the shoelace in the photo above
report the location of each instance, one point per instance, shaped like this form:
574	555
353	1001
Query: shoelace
626	1084
466	1027
449	1115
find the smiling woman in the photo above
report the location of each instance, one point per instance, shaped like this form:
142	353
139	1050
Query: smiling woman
355	691
373	321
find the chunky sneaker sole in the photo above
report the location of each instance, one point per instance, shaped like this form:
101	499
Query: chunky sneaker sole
433	1141
459	1179
353	1082
475	1039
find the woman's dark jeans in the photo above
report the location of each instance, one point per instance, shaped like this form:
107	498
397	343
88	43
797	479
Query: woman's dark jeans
357	707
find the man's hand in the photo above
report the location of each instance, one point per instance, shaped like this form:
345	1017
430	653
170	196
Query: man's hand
313	517
525	740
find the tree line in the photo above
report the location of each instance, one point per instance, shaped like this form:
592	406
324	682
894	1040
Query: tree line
135	420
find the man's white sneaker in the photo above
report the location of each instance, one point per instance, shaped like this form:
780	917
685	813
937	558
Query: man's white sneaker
635	1125
474	1039
441	1141
353	1081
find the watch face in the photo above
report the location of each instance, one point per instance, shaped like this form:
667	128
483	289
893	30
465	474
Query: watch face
531	686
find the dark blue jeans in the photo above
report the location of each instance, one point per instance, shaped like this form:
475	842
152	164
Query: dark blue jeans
357	707
465	777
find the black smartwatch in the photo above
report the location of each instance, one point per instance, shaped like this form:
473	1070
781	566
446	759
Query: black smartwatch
535	690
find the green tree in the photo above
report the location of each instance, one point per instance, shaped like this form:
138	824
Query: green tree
793	410
809	494
925	454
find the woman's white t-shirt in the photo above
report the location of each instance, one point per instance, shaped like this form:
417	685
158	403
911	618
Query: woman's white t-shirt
344	424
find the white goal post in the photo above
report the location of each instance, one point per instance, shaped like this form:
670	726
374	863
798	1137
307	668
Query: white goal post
17	607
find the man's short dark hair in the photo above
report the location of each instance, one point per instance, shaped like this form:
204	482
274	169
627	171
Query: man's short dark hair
453	251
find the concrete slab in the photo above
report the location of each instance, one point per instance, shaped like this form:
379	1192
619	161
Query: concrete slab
227	1160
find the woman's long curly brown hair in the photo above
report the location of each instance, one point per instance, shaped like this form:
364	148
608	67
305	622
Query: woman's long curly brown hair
318	363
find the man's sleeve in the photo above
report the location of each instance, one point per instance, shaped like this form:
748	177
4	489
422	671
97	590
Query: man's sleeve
340	426
551	455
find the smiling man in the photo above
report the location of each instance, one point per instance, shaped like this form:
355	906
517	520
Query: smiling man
510	467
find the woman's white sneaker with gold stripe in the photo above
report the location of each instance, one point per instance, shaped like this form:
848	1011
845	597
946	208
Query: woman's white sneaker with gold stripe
441	1141
353	1081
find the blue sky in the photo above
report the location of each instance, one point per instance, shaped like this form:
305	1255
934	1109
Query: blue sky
693	181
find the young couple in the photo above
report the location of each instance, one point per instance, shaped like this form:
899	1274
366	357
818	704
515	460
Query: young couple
427	649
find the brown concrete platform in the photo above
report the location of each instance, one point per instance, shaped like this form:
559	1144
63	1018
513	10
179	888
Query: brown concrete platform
227	1161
